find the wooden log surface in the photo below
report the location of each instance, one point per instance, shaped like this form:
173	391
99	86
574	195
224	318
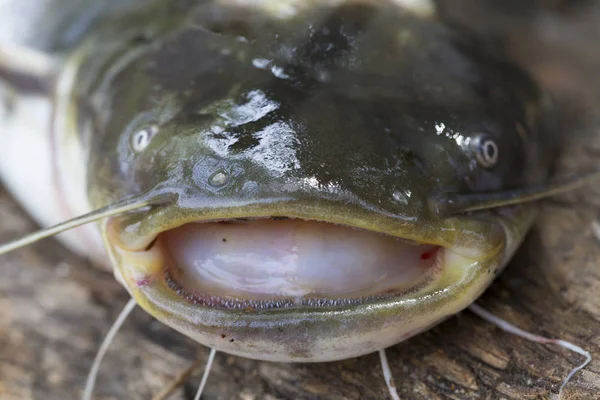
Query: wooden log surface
55	308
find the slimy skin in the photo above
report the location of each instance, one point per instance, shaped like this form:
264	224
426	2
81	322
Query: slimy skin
307	143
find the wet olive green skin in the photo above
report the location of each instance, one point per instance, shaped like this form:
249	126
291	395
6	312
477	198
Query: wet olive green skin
358	110
351	115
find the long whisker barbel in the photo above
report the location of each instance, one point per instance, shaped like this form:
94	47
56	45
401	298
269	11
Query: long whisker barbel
454	203
108	339
121	207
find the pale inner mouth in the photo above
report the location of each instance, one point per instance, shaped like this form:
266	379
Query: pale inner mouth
293	259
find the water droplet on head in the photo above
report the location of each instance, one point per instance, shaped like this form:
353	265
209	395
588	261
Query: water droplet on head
261	63
279	72
219	178
439	128
400	197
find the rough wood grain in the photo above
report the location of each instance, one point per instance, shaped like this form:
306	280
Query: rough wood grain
555	40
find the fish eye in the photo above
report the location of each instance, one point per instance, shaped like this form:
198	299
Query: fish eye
485	151
142	137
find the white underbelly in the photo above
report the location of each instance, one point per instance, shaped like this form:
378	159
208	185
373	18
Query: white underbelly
45	171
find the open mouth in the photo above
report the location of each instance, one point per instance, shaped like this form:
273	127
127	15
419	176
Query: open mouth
293	261
313	286
283	262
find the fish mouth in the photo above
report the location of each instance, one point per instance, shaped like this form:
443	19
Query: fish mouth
269	263
279	261
313	284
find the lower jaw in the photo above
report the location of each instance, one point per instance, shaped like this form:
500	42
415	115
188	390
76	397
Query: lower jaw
315	329
320	333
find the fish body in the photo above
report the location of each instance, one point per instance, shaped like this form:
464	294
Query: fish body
306	144
43	161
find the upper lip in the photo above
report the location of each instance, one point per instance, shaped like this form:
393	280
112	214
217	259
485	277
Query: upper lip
135	232
139	235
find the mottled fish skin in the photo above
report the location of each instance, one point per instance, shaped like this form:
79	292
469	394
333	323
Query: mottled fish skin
349	114
225	94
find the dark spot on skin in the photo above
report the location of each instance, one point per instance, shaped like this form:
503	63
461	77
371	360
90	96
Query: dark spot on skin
137	362
231	340
233	221
223	336
496	271
141	38
224	240
280	329
428	254
235	28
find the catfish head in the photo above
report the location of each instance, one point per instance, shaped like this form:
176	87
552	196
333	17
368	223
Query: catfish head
310	157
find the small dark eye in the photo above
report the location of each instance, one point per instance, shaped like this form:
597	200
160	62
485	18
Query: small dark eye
142	137
485	151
